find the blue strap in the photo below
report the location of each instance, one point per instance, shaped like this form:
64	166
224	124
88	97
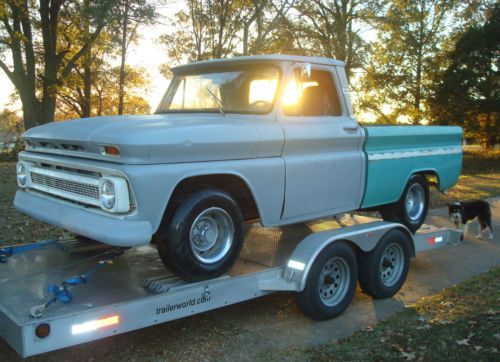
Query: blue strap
7	252
62	293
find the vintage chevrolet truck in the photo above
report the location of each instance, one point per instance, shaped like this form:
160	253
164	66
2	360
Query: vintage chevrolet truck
269	138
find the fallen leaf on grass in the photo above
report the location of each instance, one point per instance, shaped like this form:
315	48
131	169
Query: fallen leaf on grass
410	356
425	326
444	322
422	319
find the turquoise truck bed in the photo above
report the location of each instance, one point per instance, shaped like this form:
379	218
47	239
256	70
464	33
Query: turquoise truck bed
395	153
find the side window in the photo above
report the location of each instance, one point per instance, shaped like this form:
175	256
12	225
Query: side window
315	96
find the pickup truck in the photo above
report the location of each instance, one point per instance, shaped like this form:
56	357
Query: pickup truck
268	138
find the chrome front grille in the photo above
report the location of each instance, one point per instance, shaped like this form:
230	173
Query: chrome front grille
72	187
68	185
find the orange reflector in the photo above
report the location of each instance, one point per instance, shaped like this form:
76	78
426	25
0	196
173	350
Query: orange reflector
94	325
42	330
111	150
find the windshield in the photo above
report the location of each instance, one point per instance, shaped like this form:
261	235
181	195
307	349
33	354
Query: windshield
249	89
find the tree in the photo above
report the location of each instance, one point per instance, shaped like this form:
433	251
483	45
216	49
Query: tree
40	60
131	14
265	16
105	92
399	72
467	93
333	27
207	29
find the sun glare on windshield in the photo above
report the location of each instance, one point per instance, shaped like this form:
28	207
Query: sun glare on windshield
245	89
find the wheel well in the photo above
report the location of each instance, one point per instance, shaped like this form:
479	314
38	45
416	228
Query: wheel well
231	184
431	176
410	237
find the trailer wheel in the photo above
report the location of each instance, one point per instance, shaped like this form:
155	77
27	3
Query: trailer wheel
411	209
331	283
383	271
204	237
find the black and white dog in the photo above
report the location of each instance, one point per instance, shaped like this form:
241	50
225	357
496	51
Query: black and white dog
464	211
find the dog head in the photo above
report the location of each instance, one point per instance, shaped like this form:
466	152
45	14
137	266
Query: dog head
455	211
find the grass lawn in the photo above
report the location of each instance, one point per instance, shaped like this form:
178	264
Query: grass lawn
480	178
461	323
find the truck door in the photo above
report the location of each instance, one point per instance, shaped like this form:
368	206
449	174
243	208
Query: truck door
325	164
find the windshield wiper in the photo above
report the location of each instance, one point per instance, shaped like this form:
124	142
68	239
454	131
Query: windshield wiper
219	102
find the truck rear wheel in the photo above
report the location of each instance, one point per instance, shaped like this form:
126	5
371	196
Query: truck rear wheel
411	209
331	283
383	271
204	236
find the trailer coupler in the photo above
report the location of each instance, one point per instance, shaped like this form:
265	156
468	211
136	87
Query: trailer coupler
62	293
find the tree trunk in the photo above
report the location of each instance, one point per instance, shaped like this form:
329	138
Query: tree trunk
121	85
87	72
32	115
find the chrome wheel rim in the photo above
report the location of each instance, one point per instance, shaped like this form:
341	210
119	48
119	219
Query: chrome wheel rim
391	264
211	235
334	281
414	203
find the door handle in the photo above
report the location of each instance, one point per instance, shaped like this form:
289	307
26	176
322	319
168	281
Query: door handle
350	129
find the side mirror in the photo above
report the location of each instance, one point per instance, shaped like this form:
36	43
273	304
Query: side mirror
305	70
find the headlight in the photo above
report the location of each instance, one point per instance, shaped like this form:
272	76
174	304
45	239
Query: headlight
108	195
114	194
22	174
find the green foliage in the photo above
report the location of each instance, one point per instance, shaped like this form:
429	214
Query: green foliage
34	36
105	93
11	128
333	28
467	92
221	28
403	59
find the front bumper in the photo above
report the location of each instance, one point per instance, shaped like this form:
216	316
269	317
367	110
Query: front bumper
103	228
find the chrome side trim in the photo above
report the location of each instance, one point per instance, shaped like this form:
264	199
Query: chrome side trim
417	153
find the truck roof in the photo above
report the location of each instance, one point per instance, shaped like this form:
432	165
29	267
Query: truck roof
258	58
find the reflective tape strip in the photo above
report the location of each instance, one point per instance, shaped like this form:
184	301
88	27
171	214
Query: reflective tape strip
417	153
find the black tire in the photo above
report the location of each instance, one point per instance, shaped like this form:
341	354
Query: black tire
383	271
206	217
398	212
315	299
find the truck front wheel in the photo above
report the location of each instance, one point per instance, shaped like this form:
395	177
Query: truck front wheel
204	236
411	209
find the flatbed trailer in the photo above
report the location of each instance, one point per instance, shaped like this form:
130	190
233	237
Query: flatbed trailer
134	290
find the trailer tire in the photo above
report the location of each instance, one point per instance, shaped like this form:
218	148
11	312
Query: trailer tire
331	282
383	271
411	209
204	236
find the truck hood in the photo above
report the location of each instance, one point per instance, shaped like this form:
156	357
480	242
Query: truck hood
164	138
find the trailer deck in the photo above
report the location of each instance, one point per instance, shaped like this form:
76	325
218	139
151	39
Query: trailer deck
136	290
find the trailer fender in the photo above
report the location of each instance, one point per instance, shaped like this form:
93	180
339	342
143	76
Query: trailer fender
365	236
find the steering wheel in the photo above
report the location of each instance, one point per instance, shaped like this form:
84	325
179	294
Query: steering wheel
260	104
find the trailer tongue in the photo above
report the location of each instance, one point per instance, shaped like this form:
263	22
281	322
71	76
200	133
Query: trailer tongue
134	290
